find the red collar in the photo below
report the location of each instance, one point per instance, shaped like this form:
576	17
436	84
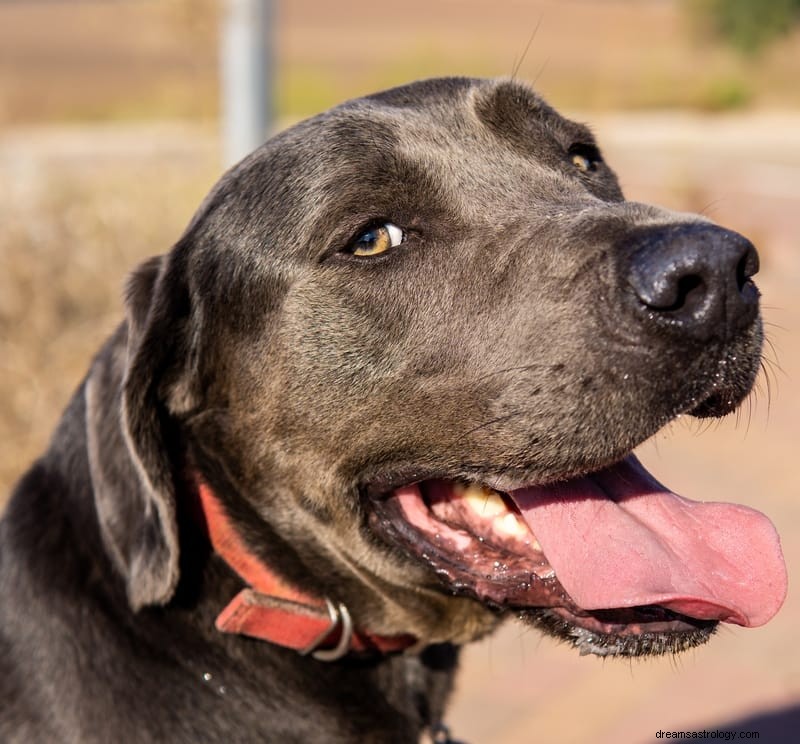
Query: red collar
272	610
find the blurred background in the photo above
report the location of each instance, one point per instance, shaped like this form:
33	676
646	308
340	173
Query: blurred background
110	136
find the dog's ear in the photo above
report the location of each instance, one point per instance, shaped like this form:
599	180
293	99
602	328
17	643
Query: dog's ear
132	454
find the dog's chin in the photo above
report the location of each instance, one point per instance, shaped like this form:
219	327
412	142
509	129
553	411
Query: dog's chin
639	631
611	562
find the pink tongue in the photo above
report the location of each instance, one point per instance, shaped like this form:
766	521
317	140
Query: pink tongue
618	539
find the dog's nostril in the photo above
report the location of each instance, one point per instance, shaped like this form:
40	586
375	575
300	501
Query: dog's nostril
695	278
668	286
688	288
747	268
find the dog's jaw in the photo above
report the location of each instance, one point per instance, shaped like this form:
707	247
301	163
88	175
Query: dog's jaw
628	568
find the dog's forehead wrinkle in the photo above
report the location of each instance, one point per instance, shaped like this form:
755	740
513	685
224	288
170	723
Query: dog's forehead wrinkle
493	195
377	143
507	190
453	140
443	139
523	120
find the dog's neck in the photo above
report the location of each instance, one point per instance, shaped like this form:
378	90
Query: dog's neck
273	610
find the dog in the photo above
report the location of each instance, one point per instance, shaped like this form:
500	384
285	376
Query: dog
381	395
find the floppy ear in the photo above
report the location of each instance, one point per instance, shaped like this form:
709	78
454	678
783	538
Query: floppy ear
131	453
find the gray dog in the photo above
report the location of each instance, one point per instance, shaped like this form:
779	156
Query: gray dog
382	393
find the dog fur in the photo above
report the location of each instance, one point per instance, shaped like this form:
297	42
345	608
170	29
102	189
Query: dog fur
297	377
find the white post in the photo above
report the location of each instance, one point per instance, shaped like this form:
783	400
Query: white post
245	76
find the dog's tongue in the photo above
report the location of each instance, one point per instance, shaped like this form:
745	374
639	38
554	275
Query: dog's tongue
618	538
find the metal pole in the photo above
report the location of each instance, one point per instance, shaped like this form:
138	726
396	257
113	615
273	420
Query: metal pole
246	72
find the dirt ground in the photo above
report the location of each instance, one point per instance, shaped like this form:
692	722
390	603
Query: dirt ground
85	204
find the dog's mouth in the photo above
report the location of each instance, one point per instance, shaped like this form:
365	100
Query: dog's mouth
612	561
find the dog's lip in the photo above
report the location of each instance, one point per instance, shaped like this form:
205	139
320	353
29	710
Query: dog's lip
740	578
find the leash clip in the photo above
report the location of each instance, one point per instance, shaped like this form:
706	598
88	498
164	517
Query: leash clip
339	616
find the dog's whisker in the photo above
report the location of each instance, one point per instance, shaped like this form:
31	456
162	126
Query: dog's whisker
767	376
771	358
708	209
519	62
708	424
750	400
492	422
677	662
541	70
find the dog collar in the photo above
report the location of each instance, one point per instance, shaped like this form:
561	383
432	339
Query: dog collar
272	610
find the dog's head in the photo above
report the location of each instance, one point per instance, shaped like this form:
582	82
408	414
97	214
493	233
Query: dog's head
412	342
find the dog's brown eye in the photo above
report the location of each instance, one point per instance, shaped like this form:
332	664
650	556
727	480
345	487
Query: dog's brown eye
378	239
585	158
582	163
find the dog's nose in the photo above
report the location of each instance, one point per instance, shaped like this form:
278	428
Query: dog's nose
696	280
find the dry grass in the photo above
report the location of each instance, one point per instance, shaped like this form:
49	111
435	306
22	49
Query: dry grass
67	241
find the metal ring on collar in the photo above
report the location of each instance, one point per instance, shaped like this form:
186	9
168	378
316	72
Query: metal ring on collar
339	615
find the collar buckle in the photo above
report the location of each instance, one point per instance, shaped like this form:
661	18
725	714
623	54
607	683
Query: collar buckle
340	618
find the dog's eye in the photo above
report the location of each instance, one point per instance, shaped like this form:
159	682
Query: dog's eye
376	240
585	158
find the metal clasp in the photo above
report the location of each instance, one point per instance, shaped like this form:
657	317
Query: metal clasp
339	616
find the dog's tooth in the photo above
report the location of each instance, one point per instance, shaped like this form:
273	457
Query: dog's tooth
484	501
510	525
